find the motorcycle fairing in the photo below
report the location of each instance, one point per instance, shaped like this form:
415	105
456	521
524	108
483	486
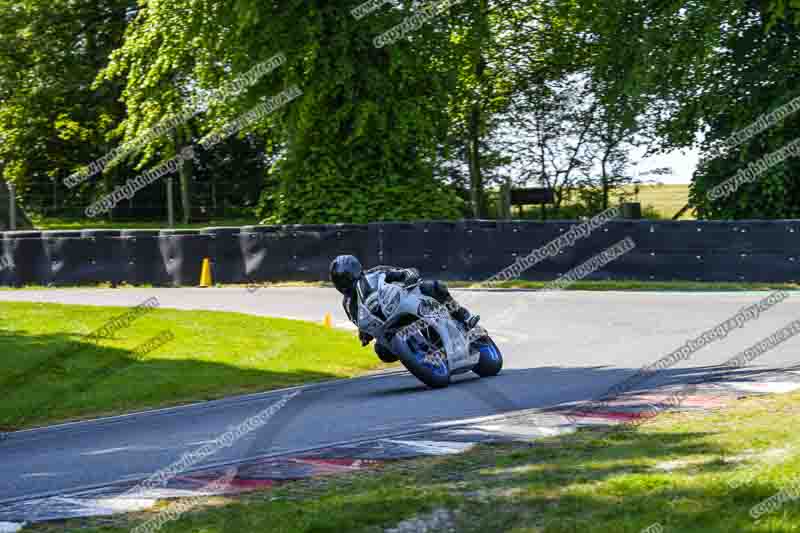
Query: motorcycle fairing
397	304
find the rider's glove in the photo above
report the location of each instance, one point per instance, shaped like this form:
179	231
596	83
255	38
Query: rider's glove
365	338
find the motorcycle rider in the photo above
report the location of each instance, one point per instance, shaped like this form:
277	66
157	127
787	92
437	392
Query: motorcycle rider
350	279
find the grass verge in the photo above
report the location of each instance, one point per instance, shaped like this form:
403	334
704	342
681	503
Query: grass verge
633	285
50	371
617	285
686	472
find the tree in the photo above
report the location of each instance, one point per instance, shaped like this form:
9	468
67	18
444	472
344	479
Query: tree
50	119
501	49
359	145
705	68
550	137
755	72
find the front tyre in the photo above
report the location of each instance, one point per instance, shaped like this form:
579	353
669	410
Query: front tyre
491	359
384	354
424	360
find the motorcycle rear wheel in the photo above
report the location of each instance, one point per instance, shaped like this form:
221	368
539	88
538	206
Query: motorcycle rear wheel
491	360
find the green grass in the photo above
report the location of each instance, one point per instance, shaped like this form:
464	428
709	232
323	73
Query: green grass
100	285
633	285
689	472
213	354
51	223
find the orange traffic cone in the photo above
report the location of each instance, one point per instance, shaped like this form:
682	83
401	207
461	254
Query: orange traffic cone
328	322
205	274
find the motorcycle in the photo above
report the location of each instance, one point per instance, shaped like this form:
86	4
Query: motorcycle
419	332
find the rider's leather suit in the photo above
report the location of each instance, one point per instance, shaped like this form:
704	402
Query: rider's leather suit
368	283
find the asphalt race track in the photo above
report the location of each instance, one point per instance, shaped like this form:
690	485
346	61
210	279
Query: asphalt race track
559	347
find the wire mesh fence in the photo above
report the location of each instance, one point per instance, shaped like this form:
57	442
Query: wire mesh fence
208	201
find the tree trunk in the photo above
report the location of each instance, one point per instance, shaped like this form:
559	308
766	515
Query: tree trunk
604	182
23	222
108	184
213	180
475	178
185	173
505	200
558	199
477	194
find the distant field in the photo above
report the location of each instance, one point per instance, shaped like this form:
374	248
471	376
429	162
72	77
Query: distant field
658	202
92	223
666	200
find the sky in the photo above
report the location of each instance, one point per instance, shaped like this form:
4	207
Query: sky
682	162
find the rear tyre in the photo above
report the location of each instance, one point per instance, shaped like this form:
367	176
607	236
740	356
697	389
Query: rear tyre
491	360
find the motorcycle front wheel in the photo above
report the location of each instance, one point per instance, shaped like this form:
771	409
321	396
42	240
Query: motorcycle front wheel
384	354
422	356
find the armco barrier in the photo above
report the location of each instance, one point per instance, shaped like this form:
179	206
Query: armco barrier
142	256
182	252
465	250
25	250
313	247
300	253
108	261
477	256
518	239
433	247
226	254
70	256
266	252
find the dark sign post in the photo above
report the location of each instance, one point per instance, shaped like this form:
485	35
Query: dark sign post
539	196
535	196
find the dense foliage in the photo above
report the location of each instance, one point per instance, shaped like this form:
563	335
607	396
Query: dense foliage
536	92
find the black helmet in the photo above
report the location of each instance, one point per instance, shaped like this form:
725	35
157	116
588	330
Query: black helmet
345	271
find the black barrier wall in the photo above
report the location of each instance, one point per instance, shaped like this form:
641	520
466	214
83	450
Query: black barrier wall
470	250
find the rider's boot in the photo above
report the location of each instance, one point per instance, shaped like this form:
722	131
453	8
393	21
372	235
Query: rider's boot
465	317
